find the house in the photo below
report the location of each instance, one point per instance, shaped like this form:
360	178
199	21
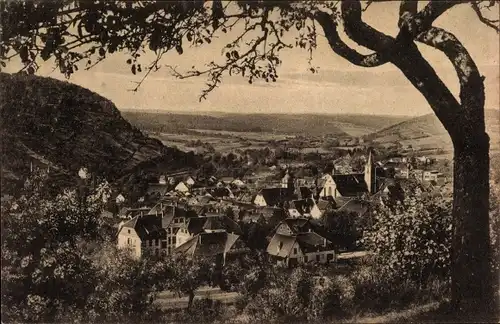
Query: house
294	242
213	223
157	190
189	181
120	199
434	176
401	169
238	183
304	208
219	245
182	187
287	181
159	232
212	236
220	192
351	185
272	196
418	174
303	192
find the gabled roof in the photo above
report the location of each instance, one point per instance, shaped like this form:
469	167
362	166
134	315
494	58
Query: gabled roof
281	245
275	196
350	184
303	206
219	192
202	224
311	240
304	192
246	197
296	225
145	226
325	204
157	188
208	244
287	243
357	206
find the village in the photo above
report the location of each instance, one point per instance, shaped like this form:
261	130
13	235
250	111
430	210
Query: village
184	214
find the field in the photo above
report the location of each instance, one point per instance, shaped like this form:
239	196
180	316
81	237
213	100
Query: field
427	133
226	143
285	124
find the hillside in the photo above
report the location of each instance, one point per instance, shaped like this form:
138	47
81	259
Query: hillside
293	124
64	126
427	132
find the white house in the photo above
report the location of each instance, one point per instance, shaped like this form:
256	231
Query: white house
120	199
181	187
305	208
189	181
329	187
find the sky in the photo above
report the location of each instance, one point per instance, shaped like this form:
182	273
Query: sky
339	87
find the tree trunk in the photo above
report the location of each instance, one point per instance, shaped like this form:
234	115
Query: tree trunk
191	299
472	288
471	256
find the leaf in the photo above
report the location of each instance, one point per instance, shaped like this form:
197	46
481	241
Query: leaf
179	49
129	61
133	69
102	51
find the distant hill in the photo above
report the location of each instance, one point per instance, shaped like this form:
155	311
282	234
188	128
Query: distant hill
64	126
293	124
427	132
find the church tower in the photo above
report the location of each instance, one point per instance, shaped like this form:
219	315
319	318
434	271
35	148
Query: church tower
370	174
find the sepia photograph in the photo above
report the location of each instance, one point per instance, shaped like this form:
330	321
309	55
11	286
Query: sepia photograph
250	161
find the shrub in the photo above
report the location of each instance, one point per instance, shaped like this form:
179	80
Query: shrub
57	267
412	239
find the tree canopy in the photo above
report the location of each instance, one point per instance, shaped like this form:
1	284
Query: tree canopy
77	33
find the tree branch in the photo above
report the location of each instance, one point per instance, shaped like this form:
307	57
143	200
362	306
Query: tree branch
407	8
471	83
488	22
413	24
360	32
339	47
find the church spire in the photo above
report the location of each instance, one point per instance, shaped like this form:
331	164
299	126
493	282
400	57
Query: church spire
370	174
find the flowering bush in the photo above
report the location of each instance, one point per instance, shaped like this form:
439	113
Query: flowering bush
57	266
412	239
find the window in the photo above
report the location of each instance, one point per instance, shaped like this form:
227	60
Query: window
173	240
128	231
157	242
151	243
317	257
294	250
164	244
305	258
129	241
280	246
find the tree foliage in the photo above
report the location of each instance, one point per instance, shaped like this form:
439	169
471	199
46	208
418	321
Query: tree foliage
58	265
413	238
73	32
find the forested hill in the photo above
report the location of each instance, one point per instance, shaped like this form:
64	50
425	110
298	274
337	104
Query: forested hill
64	126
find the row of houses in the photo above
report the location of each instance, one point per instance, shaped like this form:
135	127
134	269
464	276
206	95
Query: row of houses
190	216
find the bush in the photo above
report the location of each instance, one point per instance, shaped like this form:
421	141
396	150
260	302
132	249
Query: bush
378	290
412	239
202	311
57	266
